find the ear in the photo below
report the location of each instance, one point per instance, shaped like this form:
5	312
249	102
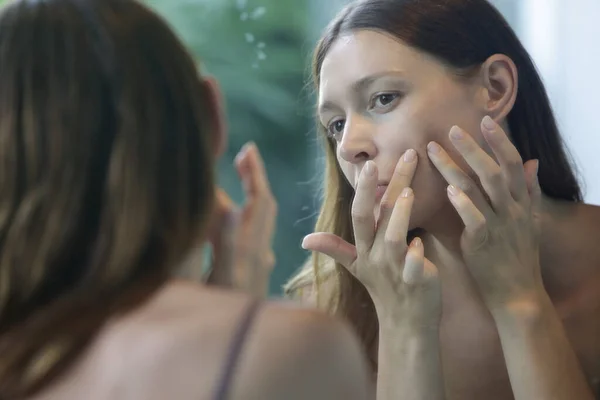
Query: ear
500	81
218	114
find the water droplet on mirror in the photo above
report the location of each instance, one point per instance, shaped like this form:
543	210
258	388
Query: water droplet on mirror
258	12
244	16
249	37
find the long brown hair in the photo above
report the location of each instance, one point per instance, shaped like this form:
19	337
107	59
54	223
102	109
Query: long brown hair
461	34
106	174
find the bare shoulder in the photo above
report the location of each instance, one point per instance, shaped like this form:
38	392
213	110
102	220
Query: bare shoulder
302	354
177	345
573	281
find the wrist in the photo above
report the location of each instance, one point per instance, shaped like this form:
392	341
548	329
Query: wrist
405	340
405	328
529	308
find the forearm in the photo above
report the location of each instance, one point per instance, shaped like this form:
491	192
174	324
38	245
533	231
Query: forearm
409	365
540	360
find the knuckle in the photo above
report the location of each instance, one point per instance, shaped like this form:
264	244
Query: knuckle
515	163
358	217
495	177
520	215
466	185
393	244
378	259
479	235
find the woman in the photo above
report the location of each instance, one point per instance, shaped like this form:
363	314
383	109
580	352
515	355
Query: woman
444	90
108	139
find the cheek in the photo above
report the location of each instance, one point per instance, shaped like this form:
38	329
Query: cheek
458	159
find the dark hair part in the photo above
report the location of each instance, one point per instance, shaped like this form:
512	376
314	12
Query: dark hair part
106	177
462	34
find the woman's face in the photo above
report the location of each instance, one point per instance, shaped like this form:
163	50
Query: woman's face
379	97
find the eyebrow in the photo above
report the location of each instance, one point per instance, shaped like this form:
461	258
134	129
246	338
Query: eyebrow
359	86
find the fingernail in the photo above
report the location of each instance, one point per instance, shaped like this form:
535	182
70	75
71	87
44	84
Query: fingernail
433	148
246	147
488	123
453	191
537	167
410	156
242	152
370	168
456	133
406	192
416	242
304	243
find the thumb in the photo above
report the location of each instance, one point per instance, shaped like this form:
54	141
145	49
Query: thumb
222	237
223	216
331	245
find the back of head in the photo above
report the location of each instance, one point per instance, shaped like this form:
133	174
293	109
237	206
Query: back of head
106	173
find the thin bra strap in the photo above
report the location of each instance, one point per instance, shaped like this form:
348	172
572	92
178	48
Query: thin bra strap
235	350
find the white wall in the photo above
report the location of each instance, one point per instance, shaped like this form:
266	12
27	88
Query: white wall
563	37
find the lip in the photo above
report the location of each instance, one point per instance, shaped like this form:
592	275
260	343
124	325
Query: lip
380	191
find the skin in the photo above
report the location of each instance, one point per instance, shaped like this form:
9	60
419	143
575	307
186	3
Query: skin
518	324
175	345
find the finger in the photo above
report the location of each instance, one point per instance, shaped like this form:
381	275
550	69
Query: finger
402	178
222	238
332	246
251	168
414	264
508	157
473	219
489	172
397	229
225	215
261	207
530	167
456	177
363	217
535	191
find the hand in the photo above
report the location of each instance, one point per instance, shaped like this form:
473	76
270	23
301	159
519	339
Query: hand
500	238
402	283
241	239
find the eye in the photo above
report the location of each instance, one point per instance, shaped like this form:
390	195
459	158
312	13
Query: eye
335	128
384	99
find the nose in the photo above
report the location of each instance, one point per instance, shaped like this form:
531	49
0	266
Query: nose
357	144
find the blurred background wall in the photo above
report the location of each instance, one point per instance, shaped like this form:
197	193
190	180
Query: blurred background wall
260	52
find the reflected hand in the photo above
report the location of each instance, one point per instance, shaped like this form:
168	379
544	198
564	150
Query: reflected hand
500	238
241	239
